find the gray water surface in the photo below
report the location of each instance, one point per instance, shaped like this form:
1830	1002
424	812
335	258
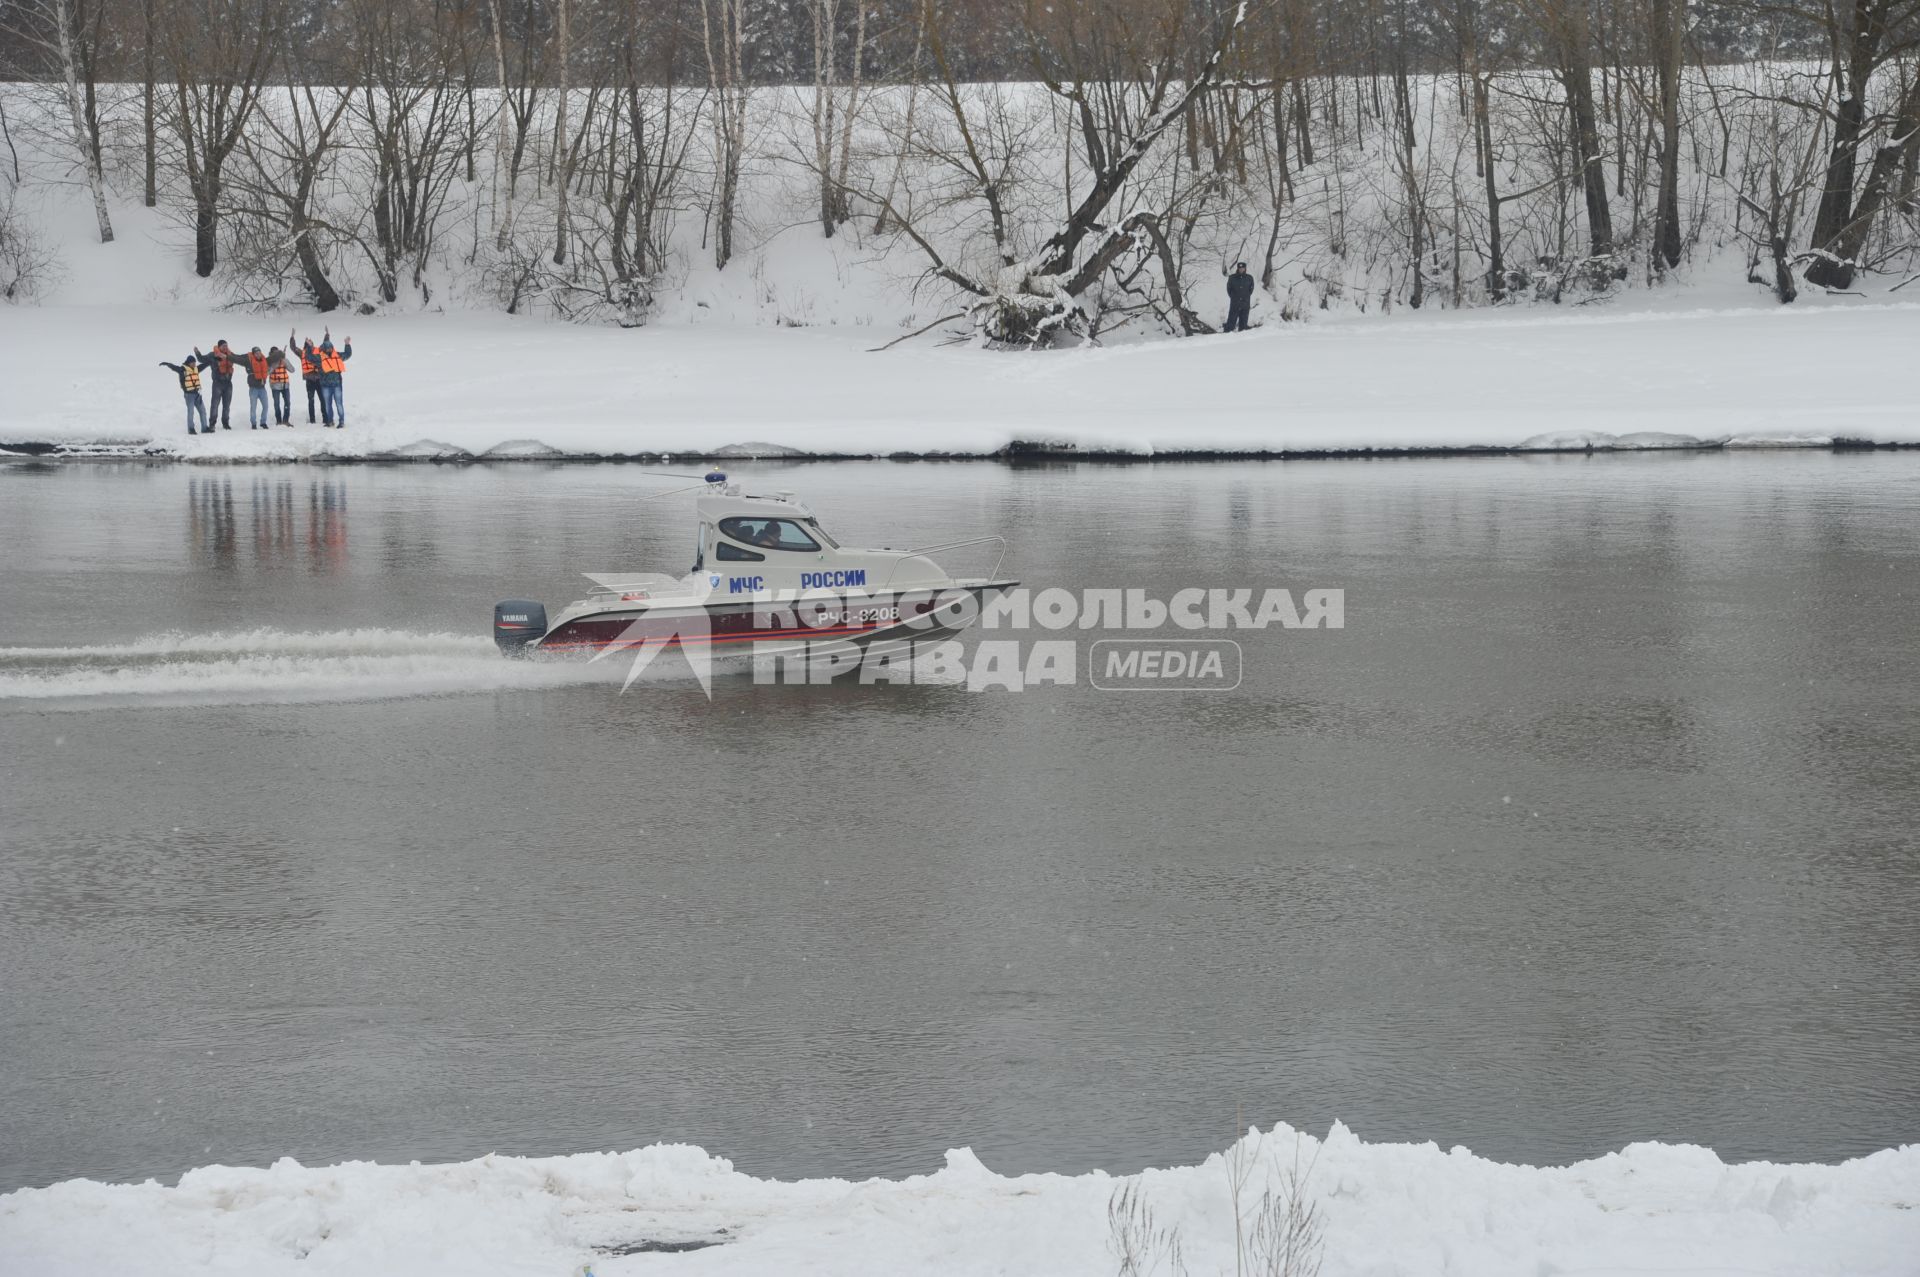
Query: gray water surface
1597	823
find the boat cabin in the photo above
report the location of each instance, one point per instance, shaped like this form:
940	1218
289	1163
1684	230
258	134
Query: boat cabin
750	544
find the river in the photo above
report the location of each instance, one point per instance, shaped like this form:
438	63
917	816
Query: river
1596	822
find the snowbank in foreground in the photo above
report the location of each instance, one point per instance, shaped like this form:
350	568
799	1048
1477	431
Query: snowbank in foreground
424	386
1387	1209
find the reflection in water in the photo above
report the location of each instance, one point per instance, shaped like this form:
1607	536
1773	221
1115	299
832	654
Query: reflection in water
273	538
210	520
327	525
277	532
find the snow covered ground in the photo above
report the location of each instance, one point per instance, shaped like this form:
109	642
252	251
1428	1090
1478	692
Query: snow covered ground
468	383
774	353
1385	1209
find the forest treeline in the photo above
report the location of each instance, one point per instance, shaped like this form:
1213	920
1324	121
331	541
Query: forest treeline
1048	171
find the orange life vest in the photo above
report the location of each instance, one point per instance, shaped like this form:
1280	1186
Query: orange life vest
223	363
258	363
279	375
189	378
307	367
330	362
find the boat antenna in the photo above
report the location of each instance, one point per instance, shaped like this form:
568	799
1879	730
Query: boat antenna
673	492
711	479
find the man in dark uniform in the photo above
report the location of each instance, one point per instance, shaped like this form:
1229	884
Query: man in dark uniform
222	361
1239	297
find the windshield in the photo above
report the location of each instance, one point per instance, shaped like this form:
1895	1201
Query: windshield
769	534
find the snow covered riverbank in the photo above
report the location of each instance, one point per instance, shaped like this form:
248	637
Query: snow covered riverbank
426	386
1385	1209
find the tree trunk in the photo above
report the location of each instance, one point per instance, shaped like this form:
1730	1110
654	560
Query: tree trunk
725	78
146	105
206	232
1846	244
1483	129
906	139
826	21
845	162
563	154
83	139
1670	18
325	298
1410	179
1302	118
502	163
1836	197
1578	77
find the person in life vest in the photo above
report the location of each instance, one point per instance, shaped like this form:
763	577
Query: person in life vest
278	377
332	365
310	378
257	369
189	373
221	364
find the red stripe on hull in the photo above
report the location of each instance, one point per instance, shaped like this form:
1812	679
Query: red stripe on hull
915	616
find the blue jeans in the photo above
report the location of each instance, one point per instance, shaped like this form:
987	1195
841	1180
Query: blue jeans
283	405
222	401
257	407
196	404
317	394
332	404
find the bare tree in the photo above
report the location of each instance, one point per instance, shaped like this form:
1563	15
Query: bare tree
288	154
1567	25
411	122
650	135
564	169
1864	36
68	33
833	110
1668	45
219	53
149	133
724	34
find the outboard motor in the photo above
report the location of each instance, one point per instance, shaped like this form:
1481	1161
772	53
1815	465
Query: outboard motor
517	625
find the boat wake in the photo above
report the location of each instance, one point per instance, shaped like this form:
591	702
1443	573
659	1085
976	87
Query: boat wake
270	666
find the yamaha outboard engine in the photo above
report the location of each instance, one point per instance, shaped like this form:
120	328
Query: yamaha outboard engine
517	625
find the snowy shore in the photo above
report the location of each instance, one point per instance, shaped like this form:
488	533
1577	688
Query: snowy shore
1385	1209
85	380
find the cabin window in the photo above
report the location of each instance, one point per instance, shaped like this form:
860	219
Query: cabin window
727	552
769	534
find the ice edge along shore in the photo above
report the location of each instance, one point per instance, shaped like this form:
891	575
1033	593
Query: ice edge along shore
428	451
1383	1208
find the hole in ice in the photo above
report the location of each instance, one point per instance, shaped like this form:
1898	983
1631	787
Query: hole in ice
659	1246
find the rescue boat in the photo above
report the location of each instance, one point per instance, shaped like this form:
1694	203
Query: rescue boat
767	579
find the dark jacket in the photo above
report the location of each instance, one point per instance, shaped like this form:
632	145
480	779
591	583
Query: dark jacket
180	371
220	364
1240	287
